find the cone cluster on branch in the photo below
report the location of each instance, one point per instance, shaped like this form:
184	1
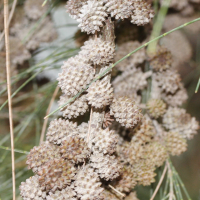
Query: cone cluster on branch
130	132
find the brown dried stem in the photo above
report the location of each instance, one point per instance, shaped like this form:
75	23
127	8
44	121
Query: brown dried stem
160	182
6	28
10	17
123	195
44	127
91	111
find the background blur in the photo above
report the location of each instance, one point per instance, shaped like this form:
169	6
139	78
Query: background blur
41	38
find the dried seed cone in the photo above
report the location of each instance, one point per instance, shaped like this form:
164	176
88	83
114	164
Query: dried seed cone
133	60
126	182
65	194
156	107
161	59
97	51
125	112
106	166
105	141
87	184
174	143
143	173
59	129
74	7
142	13
144	132
74	149
130	81
83	130
31	189
120	9
100	93
155	153
34	9
40	155
134	151
177	120
75	76
56	174
91	17
74	109
176	99
169	81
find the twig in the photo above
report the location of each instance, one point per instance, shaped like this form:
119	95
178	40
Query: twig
160	182
91	111
10	17
123	195
171	193
48	111
6	28
112	66
15	150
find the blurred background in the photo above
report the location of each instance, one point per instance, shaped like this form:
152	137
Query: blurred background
42	37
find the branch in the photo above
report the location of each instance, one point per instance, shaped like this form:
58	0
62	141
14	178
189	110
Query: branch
6	28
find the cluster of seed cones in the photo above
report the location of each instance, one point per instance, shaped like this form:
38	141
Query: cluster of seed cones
121	146
92	14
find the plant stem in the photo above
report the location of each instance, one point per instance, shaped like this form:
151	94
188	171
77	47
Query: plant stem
6	28
116	191
15	150
48	110
160	182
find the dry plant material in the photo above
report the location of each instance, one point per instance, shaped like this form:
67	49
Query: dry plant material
96	160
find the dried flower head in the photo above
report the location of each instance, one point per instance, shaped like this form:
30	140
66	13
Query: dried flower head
65	194
144	132
91	17
97	51
134	59
74	109
59	129
31	189
126	182
169	81
87	184
143	173
156	107
142	13
120	9
40	155
161	59
100	93
105	141
106	166
56	174
74	7
74	149
177	120
176	99
155	153
131	81
174	143
126	112
75	76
